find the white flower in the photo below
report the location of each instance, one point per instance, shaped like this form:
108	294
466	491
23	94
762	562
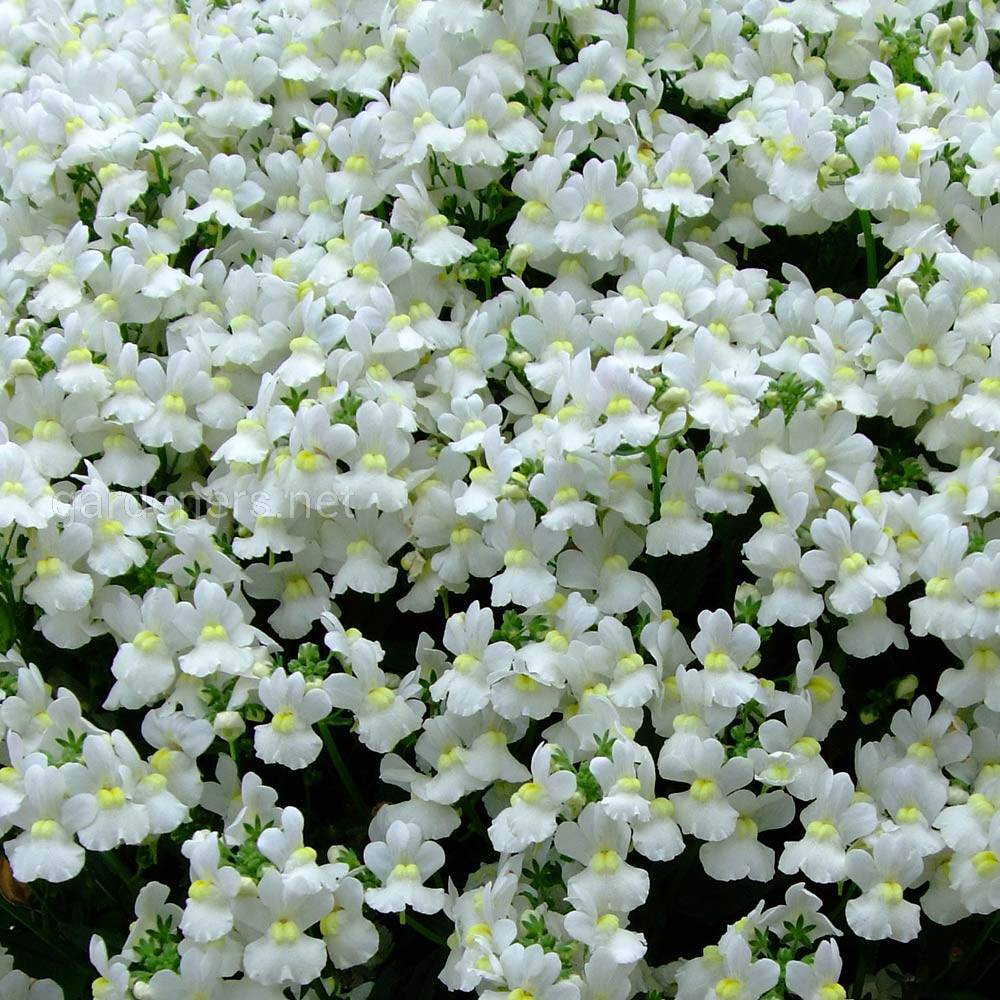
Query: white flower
916	351
680	173
724	650
600	844
527	549
385	715
288	738
282	913
237	77
465	685
680	529
881	911
817	980
590	81
23	490
881	153
857	557
46	848
587	206
402	862
213	629
351	939
705	809
741	855
208	914
534	972
626	779
739	977
222	192
832	822
531	816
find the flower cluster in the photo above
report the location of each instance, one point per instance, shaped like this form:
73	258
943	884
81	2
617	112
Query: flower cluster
486	315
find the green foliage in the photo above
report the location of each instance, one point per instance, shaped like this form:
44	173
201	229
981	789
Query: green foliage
534	931
547	886
481	266
743	732
901	49
247	859
896	469
310	662
787	393
513	630
157	950
586	784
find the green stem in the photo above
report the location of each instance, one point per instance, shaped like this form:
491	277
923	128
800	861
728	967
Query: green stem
341	768
460	177
112	862
969	959
163	179
10	538
654	474
671	222
630	25
866	954
866	229
320	989
409	920
34	931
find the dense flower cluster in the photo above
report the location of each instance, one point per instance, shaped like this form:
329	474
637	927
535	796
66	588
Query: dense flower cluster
307	303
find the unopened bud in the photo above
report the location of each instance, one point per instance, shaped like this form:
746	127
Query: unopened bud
957	796
940	38
511	491
520	254
905	288
907	687
675	396
228	725
840	163
827	404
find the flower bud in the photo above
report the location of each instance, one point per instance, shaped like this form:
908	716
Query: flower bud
827	404
940	38
957	796
675	396
228	725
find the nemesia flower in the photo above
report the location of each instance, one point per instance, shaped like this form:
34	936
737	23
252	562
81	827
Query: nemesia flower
603	382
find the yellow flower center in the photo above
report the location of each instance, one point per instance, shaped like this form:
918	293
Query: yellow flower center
284	931
704	789
381	697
